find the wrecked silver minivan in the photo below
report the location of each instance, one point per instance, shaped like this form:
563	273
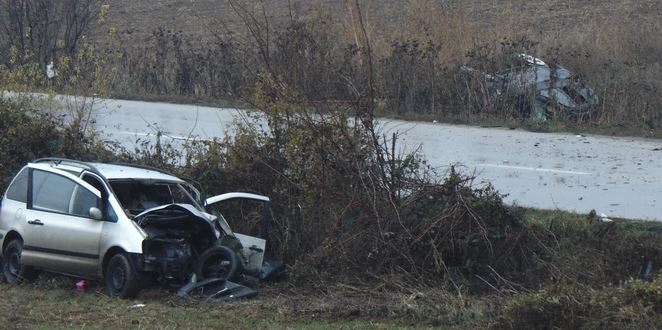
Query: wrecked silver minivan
128	225
538	89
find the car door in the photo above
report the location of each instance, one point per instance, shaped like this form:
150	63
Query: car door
60	233
253	248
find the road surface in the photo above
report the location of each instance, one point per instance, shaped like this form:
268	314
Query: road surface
620	177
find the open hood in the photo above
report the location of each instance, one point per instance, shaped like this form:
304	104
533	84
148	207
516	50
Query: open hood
178	217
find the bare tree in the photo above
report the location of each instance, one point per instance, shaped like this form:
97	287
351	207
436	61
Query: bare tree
39	31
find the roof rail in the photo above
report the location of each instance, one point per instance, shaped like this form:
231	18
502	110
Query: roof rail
58	161
144	167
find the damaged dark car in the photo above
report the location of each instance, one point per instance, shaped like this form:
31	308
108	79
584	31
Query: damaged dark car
538	89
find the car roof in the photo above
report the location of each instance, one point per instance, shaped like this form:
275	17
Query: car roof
112	171
116	172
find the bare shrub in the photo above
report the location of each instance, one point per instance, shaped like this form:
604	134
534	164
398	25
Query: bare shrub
417	48
170	65
27	134
346	206
37	31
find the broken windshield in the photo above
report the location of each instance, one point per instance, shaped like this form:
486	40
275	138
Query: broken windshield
137	196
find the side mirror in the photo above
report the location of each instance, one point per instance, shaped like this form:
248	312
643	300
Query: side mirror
95	213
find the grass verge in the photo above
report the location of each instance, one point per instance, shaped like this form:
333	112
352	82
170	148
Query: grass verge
53	303
579	295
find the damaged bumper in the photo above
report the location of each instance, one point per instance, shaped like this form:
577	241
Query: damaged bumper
186	245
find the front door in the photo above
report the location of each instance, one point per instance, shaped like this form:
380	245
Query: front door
63	236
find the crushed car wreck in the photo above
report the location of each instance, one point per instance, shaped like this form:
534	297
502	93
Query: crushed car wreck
538	89
128	225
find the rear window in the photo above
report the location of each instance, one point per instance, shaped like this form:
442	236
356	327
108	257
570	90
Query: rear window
18	190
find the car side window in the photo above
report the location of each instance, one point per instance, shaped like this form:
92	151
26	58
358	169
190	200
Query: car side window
51	192
55	193
81	202
18	190
96	183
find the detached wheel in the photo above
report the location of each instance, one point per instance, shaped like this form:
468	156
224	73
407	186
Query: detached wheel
217	262
121	278
12	269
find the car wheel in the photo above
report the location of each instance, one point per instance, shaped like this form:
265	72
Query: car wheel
217	262
2	271
121	277
12	269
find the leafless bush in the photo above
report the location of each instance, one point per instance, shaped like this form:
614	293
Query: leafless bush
346	205
416	58
40	31
171	66
27	134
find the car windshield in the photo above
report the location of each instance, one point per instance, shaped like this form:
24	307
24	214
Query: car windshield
137	196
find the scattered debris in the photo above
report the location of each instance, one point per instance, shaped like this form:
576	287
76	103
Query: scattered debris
646	273
136	306
604	218
81	286
215	288
50	70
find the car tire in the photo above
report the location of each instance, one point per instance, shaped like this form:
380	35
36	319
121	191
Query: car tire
121	277
2	270
217	262
13	271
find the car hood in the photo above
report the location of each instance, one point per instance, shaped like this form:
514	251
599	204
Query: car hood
188	208
178	216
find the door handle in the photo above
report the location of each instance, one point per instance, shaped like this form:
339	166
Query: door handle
36	222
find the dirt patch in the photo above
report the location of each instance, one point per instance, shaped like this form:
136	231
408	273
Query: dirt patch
200	18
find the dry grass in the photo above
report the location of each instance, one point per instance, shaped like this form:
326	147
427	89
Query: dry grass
52	302
614	46
449	255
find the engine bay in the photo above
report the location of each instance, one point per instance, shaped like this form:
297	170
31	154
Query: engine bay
177	235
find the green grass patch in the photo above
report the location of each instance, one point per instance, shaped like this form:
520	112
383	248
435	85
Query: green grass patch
26	306
587	279
630	227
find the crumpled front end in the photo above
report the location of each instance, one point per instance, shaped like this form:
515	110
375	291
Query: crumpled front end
539	89
185	245
176	235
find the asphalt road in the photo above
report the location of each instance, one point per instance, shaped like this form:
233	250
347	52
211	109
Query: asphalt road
620	177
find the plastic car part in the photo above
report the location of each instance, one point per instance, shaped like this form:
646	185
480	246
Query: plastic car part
271	269
215	288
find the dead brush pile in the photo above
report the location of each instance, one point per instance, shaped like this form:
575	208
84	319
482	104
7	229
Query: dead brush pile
347	211
445	233
335	223
348	208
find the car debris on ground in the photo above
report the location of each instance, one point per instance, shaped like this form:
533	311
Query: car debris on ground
130	226
539	89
